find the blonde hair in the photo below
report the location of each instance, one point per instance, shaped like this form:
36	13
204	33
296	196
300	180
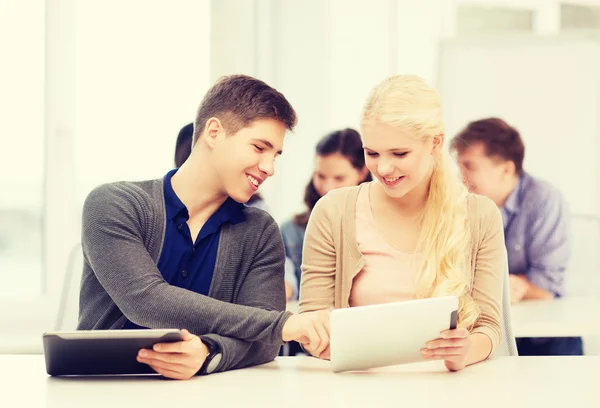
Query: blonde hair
407	102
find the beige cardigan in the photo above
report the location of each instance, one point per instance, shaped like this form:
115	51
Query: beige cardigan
331	258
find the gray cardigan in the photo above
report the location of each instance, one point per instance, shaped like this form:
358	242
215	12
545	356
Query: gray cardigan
122	237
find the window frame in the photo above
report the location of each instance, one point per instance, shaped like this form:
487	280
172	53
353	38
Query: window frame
26	319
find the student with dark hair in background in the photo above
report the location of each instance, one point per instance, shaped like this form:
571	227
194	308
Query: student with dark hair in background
339	162
535	214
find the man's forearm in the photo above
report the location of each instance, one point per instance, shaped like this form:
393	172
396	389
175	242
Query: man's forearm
537	293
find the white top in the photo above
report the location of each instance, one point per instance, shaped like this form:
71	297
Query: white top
303	382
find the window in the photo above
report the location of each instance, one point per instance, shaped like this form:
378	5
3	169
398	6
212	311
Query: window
81	106
22	80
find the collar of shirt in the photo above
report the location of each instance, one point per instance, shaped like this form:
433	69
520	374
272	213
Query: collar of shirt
173	205
230	211
512	204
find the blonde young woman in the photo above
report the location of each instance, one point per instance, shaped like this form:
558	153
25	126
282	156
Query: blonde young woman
414	232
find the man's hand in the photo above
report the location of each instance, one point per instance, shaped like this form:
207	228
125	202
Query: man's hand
519	286
289	292
311	329
180	360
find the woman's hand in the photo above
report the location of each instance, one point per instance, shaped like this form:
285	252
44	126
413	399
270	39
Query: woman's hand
453	347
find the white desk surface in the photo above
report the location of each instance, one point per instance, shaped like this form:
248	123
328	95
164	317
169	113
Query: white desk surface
565	317
306	382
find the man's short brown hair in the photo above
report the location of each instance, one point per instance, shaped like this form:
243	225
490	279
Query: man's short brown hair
498	138
238	100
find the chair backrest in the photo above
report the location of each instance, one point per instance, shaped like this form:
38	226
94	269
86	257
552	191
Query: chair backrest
508	344
68	308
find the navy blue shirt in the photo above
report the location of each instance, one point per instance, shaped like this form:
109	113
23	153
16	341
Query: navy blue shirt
183	263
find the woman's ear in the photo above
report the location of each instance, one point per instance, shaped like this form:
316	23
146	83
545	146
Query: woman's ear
438	144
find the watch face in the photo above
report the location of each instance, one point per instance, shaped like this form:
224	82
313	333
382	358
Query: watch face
214	363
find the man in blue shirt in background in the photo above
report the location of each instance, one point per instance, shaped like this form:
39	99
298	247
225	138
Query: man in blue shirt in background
536	220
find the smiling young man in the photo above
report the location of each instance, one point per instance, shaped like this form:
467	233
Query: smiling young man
183	251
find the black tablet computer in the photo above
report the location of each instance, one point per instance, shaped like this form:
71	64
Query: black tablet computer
101	352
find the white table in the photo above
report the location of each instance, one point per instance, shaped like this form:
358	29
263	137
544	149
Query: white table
565	317
306	382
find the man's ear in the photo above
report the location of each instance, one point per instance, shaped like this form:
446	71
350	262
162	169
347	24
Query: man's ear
212	129
438	143
509	168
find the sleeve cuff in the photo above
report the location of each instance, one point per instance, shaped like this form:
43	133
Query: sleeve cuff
284	318
215	339
491	334
547	281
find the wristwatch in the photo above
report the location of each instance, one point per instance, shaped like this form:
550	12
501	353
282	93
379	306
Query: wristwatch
213	358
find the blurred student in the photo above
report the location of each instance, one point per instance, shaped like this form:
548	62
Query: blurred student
339	162
184	251
413	233
535	215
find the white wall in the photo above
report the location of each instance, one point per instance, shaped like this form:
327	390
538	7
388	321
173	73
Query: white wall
22	98
22	112
325	56
548	90
136	87
233	48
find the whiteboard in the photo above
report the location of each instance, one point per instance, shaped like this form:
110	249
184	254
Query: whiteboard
547	88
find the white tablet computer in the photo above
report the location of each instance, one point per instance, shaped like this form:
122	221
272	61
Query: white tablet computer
388	334
101	352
